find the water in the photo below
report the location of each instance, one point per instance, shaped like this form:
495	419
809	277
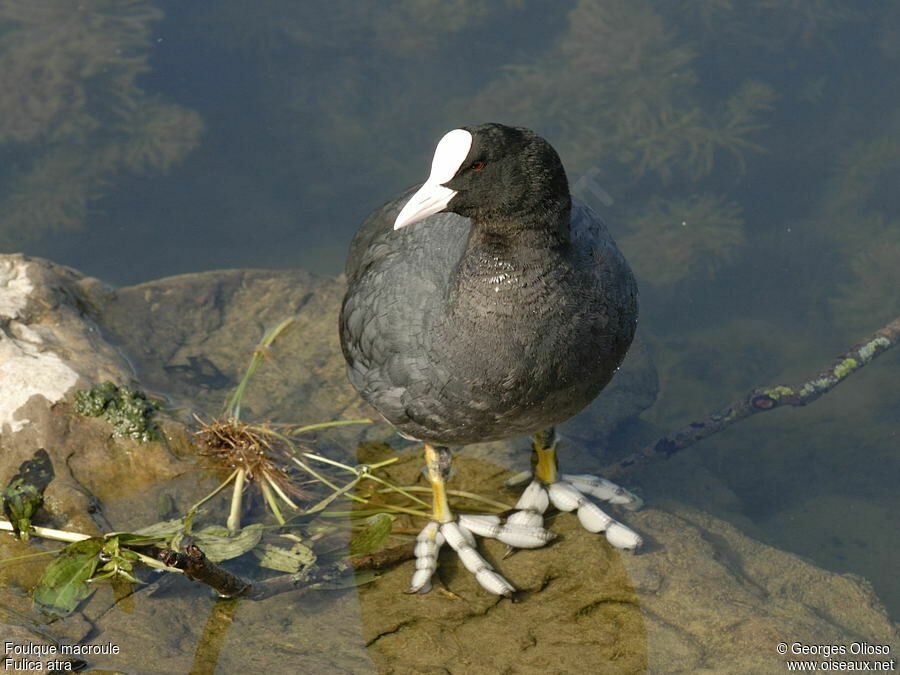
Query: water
750	151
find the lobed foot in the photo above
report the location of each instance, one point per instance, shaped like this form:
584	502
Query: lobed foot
569	493
525	527
460	535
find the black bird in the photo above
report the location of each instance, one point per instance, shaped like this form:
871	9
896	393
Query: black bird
482	305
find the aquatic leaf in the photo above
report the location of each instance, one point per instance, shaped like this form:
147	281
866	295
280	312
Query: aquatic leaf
218	545
123	591
64	583
373	536
136	540
163	529
119	561
25	492
290	560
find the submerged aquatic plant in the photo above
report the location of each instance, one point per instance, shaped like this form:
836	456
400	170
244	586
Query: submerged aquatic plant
72	115
860	216
624	52
674	240
773	25
804	22
865	182
871	296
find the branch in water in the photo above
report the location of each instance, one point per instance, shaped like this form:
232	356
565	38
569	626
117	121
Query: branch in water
763	400
198	567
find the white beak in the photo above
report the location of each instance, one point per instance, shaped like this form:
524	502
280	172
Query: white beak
428	200
433	197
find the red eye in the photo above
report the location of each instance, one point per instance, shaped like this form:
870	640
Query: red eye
477	166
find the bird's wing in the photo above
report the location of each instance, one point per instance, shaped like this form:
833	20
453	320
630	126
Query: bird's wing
383	322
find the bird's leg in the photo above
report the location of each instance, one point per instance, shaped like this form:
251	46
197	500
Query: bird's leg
458	533
437	466
568	493
544	463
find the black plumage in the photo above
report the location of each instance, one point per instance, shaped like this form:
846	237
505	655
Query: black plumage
503	315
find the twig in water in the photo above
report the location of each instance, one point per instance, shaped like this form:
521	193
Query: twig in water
763	400
197	567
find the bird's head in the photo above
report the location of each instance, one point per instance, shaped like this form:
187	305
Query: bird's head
490	172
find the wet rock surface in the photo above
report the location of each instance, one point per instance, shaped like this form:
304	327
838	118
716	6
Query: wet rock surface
191	337
49	343
702	597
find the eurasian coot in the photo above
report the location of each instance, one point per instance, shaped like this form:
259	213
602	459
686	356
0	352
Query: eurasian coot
486	304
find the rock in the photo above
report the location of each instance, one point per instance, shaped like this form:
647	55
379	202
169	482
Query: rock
192	336
49	344
702	596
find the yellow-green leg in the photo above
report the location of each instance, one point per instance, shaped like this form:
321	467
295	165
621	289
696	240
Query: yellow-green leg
460	533
437	464
543	457
569	493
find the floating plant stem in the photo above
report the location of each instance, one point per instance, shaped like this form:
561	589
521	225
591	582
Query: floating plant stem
47	532
326	425
390	487
271	501
233	408
70	538
193	510
458	493
287	500
334	495
315	475
367	473
234	515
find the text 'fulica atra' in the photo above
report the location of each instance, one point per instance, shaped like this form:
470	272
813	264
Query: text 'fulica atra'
486	304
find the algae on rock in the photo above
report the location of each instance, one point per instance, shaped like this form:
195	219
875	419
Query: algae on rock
128	410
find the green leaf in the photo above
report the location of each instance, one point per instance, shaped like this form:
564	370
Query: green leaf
130	539
162	530
373	536
25	492
290	560
218	545
64	583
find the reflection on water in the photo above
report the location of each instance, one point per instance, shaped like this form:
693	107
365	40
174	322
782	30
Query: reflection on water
751	150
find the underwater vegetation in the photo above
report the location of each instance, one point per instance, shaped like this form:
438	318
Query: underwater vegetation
72	115
343	78
699	234
764	24
871	295
673	108
613	85
860	215
618	92
622	99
